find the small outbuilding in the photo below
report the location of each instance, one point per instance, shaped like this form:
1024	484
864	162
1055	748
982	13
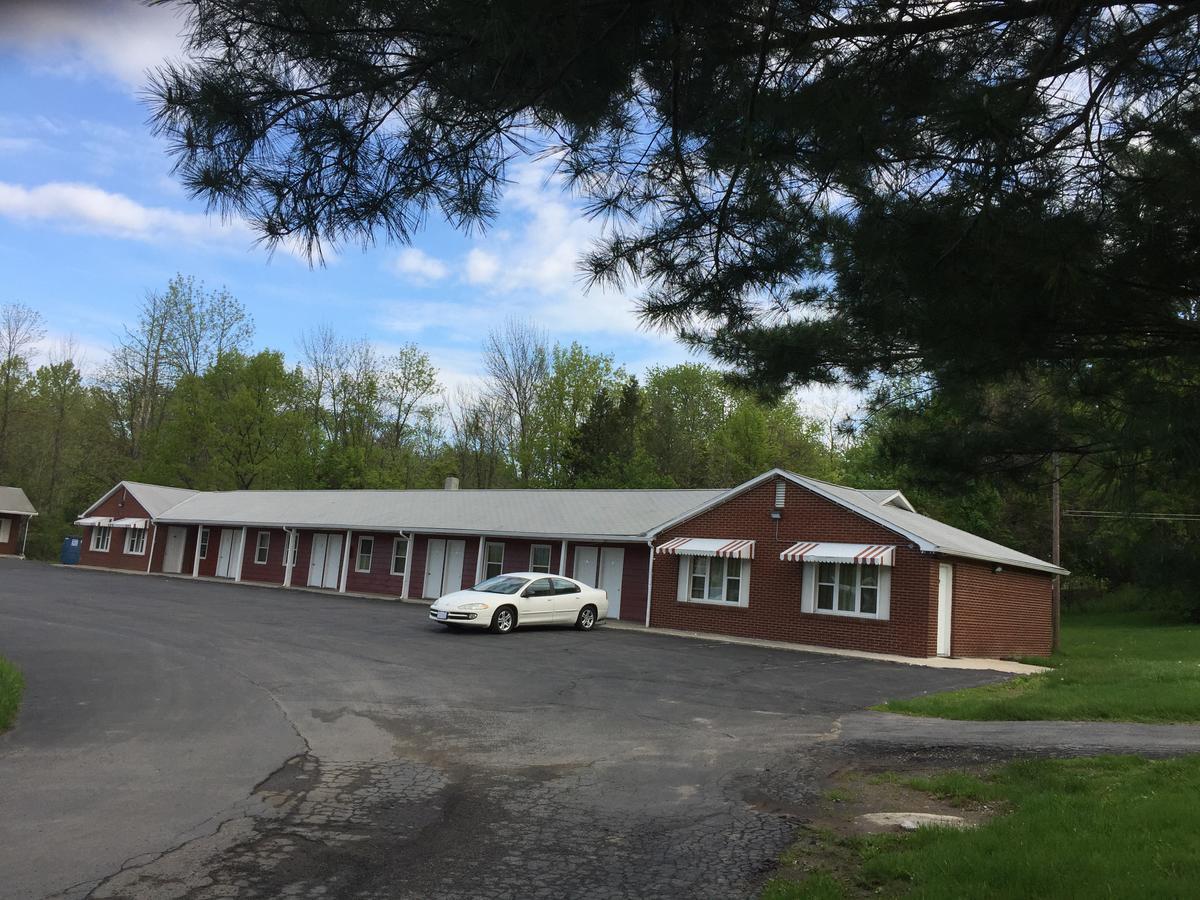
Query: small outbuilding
781	557
16	512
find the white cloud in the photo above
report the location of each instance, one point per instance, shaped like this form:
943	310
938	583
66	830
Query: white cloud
74	206
121	39
482	267
419	264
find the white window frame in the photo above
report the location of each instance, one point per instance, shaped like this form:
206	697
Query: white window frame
202	541
812	588
688	571
101	531
399	549
260	549
533	549
5	529
487	561
134	547
358	555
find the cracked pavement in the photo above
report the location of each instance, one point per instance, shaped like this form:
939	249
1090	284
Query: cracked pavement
202	740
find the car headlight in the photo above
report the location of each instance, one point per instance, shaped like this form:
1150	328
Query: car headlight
474	606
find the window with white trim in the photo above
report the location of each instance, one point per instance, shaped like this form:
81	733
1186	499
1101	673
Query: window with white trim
848	588
399	555
366	550
204	543
135	541
714	579
101	536
539	558
262	548
493	560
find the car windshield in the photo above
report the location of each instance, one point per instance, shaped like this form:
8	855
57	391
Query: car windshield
501	584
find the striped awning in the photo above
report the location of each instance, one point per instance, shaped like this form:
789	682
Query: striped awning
94	521
732	547
130	523
815	551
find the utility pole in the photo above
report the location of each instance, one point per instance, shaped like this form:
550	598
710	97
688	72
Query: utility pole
1055	546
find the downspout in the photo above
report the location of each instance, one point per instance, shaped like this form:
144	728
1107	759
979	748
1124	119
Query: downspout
150	555
25	536
649	579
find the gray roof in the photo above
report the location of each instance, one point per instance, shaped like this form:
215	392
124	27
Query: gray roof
154	498
929	534
13	500
592	513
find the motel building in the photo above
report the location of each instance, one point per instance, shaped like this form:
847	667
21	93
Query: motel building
782	557
16	512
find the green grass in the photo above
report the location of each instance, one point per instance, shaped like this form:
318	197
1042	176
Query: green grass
1130	667
1102	827
11	686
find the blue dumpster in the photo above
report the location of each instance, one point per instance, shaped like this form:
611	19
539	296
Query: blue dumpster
69	554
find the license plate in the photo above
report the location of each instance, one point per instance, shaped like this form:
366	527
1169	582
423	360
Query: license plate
442	614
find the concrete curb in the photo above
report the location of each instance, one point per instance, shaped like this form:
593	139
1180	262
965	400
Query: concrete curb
1007	666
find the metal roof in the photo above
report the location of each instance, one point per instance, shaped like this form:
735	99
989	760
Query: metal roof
930	534
14	502
570	513
154	498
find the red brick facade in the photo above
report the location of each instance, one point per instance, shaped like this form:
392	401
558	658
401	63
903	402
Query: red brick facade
16	532
1002	614
121	505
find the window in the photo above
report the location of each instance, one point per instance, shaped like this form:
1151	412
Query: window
716	580
366	549
848	589
562	586
204	543
493	560
135	541
100	538
262	549
5	530
539	558
399	555
540	588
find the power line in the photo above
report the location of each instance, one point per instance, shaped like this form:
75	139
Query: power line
1111	514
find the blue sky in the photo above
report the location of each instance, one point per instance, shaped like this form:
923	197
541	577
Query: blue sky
90	219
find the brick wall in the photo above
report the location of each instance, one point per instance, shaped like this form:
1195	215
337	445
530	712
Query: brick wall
121	505
379	580
1002	614
16	528
1006	613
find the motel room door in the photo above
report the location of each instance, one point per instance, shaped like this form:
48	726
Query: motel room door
945	605
443	567
227	553
612	568
176	541
325	560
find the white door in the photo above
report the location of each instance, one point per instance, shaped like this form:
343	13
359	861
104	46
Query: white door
316	560
945	601
452	571
225	553
176	541
612	567
435	562
333	560
586	560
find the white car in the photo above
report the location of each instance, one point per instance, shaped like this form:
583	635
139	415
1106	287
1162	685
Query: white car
523	598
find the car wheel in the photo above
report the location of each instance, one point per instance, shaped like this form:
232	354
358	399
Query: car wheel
587	619
505	620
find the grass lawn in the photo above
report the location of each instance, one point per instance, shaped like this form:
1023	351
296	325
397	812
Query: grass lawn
11	686
1103	827
1130	667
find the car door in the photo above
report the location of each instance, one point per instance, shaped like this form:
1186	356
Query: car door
567	600
537	603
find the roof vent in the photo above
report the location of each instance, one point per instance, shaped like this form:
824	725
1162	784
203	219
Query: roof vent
780	493
452	482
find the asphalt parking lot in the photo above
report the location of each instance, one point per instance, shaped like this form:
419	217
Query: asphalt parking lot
196	740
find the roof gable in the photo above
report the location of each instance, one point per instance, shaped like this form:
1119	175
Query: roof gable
14	501
156	499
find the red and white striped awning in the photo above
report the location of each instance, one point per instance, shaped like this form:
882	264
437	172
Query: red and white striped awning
736	548
815	551
130	523
94	521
